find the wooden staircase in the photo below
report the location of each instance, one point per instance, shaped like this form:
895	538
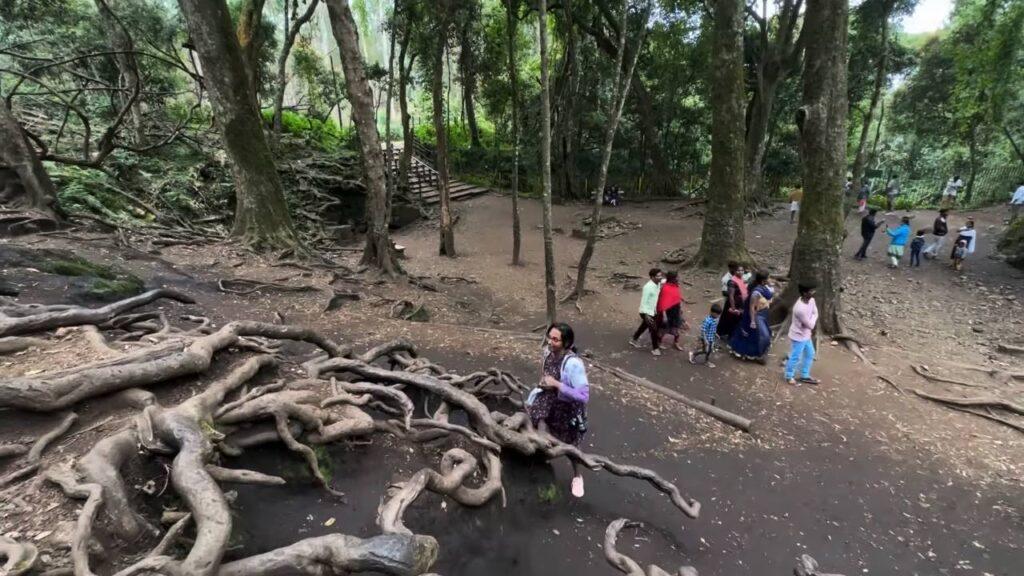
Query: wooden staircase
424	182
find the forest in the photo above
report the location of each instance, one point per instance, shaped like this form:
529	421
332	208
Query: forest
222	142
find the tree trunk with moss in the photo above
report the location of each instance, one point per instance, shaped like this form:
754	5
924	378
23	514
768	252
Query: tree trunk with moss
447	239
722	238
249	16
822	122
378	252
16	152
261	213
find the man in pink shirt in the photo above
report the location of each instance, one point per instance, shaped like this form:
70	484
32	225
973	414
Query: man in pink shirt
805	317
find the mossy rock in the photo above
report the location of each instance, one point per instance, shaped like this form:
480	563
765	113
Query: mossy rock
90	281
1011	243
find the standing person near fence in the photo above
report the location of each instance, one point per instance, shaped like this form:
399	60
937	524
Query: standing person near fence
952	189
1017	202
939	231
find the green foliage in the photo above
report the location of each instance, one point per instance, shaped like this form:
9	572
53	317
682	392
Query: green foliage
324	135
323	459
79	268
105	282
548	493
111	290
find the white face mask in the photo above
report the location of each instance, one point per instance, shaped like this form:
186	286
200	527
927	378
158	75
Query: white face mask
662	281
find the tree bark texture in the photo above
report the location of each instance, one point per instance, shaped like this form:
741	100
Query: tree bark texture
778	53
722	238
378	252
619	94
249	15
291	33
447	239
564	114
404	77
860	160
261	213
513	79
822	123
39	193
545	164
127	66
467	69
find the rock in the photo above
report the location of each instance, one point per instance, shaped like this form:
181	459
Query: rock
977	329
338	300
404	214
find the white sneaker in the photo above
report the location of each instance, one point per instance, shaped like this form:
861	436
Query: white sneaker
656	352
635	344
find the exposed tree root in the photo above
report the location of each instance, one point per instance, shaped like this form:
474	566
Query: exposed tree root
933	378
808	566
27	319
19	558
60	390
394	554
8	450
243	286
35	454
627	565
93	495
527	441
1009	349
236	476
14	344
972	406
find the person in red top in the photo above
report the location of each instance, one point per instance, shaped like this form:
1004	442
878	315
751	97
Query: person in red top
670	309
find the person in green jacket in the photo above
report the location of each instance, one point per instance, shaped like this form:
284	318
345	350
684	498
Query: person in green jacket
648	311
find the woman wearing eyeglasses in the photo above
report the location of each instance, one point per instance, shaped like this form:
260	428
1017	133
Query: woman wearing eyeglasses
558	406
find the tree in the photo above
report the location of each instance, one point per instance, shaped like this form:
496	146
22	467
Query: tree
404	26
511	11
249	15
261	213
722	238
443	25
620	89
469	34
290	34
545	163
128	67
822	123
15	151
778	50
378	251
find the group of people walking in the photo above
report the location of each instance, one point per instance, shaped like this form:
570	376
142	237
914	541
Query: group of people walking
920	245
740	320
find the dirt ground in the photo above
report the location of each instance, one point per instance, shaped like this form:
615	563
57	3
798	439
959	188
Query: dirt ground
865	478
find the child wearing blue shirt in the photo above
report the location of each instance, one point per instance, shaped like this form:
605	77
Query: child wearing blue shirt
708	336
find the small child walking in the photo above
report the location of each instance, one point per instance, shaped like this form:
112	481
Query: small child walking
708	336
916	245
959	253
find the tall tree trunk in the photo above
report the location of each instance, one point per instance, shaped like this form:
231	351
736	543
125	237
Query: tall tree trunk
1013	142
378	252
756	144
822	123
127	66
722	238
404	75
619	94
859	161
291	33
467	68
513	78
261	213
873	157
249	40
545	164
447	240
564	114
16	153
972	147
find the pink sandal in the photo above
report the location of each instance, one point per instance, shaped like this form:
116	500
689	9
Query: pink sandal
577	486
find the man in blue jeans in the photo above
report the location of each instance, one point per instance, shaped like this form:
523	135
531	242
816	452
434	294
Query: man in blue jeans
801	330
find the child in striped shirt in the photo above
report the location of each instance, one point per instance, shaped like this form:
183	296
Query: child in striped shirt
708	336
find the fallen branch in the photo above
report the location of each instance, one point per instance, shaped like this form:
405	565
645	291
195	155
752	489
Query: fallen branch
725	416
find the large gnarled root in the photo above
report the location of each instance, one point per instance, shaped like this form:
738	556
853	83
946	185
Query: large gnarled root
526	442
394	554
101	466
93	495
35	454
58	391
456	466
28	319
627	565
19	558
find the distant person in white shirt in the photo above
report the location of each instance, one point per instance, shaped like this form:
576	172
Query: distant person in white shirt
1017	202
952	188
